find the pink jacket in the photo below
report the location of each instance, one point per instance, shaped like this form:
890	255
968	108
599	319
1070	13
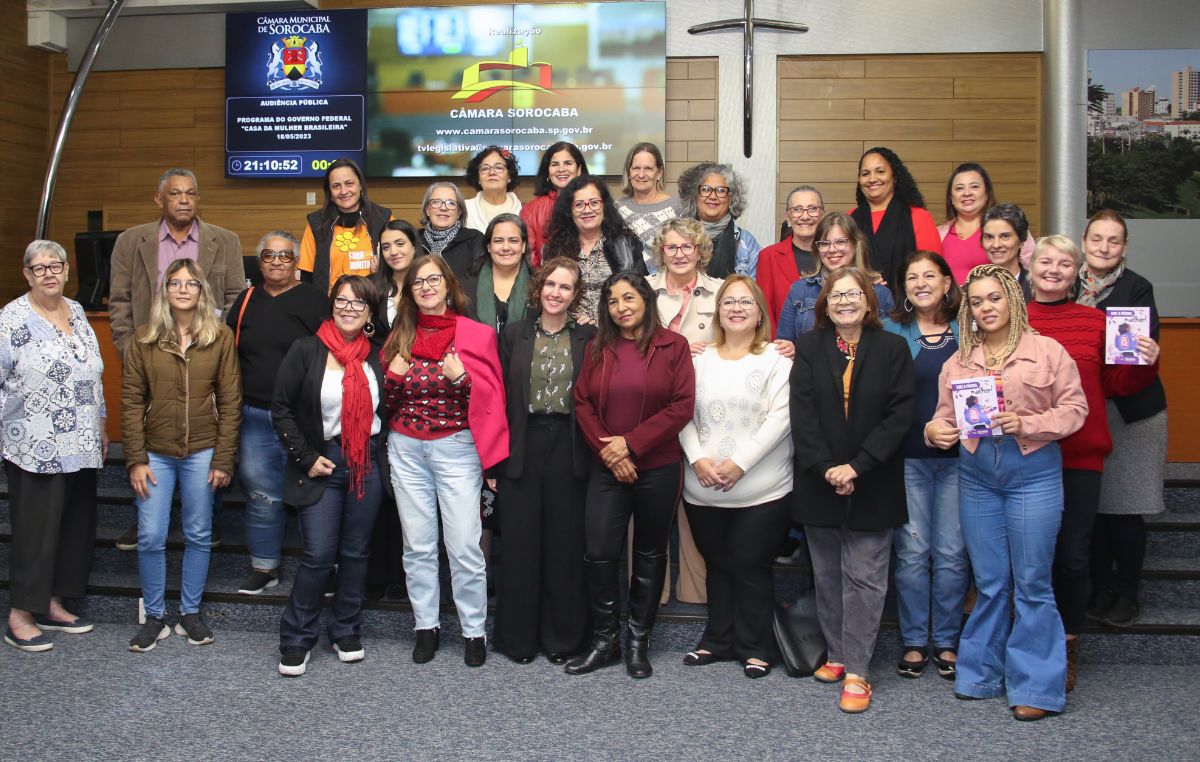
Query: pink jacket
1041	385
476	347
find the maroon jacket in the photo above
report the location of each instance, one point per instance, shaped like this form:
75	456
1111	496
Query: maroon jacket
670	398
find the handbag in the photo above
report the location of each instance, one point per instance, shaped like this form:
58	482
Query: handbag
799	637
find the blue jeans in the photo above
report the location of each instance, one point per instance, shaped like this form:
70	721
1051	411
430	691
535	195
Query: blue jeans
334	530
261	465
932	572
1010	507
154	519
427	476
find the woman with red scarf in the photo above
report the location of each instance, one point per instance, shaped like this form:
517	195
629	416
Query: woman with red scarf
445	403
327	411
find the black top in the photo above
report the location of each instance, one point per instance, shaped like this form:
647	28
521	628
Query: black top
270	325
869	438
1132	290
462	250
927	369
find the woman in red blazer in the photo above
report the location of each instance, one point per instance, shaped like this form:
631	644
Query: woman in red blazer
634	395
445	404
780	265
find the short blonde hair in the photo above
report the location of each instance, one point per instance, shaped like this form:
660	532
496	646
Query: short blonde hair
762	333
689	229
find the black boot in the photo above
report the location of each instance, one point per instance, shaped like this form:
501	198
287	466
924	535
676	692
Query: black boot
606	645
649	570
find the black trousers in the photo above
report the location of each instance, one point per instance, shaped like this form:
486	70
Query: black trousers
1118	553
542	599
1072	571
53	519
650	500
738	545
386	564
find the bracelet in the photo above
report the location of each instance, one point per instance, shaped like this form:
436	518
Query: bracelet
459	380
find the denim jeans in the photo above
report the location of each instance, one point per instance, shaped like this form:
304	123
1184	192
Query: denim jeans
154	519
334	530
261	465
445	474
1010	507
932	572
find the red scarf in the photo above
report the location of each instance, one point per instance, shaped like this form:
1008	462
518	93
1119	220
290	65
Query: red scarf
357	411
435	334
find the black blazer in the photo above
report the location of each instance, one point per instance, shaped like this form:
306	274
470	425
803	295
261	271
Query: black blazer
1132	290
516	360
462	250
296	415
870	438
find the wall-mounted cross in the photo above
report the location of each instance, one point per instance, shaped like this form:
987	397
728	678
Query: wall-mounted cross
747	24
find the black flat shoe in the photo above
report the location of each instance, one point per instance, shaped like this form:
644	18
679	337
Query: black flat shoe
755	671
523	659
427	645
947	668
913	669
558	658
699	659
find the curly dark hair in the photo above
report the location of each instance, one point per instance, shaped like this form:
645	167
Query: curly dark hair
906	189
510	161
951	302
564	238
542	184
608	331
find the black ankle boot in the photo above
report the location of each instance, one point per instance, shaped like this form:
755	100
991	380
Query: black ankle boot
606	646
649	570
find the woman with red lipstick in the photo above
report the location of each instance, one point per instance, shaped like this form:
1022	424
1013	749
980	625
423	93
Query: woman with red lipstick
561	163
891	213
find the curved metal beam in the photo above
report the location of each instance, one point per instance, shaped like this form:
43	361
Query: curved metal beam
68	112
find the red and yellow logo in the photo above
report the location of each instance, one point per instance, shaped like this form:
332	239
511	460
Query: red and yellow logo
473	90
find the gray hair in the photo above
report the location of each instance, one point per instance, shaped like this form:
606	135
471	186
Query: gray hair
693	177
804	189
458	196
177	172
285	235
41	246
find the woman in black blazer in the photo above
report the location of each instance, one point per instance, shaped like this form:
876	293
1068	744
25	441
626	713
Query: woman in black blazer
851	407
542	600
327	410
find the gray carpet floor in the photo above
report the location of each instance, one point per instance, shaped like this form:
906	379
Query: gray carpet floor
89	698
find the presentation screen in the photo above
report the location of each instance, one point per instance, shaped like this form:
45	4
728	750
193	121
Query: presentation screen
415	92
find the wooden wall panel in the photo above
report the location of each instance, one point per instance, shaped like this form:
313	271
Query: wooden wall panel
935	111
1180	338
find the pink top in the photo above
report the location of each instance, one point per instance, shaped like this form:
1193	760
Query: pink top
1041	385
170	249
963	254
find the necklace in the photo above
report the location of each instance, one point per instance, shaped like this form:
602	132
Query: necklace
846	348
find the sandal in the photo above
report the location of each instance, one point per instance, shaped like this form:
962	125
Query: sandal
855	703
830	673
755	671
913	669
699	658
947	668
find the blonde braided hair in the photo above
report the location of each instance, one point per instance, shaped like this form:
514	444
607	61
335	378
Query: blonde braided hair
971	335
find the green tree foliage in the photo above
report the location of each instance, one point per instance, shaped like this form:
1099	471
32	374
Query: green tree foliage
1146	173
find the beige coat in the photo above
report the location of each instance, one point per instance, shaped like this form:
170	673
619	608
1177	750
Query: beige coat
134	277
701	309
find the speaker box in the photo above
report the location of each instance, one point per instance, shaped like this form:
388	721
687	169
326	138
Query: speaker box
93	257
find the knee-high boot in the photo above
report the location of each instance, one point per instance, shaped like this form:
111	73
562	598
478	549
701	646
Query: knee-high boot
649	569
606	643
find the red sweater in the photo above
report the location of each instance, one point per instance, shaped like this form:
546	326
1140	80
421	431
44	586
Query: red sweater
1080	330
667	407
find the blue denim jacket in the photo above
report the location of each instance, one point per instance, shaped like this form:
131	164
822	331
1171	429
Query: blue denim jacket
798	316
745	261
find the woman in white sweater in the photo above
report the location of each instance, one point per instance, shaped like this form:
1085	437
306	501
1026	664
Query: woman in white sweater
739	447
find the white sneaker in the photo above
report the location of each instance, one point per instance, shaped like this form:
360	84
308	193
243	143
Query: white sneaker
293	661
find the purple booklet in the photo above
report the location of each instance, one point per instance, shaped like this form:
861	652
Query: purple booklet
1122	327
975	403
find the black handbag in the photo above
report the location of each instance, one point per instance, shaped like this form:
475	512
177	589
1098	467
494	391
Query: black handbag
798	634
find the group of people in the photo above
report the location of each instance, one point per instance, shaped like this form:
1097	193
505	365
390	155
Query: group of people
602	371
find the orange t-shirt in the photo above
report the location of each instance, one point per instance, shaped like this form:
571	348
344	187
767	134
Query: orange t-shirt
351	252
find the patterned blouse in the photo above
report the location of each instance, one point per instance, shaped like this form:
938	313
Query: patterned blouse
551	372
51	393
596	270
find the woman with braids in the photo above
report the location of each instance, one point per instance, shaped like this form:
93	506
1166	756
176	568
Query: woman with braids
1011	496
891	212
588	228
715	195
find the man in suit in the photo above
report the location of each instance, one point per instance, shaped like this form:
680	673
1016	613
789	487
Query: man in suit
142	253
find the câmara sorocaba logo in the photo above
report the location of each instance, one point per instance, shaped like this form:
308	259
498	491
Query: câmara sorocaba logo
293	65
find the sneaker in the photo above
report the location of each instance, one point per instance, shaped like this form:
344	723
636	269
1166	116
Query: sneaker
128	539
258	581
349	649
427	645
293	660
154	630
1124	612
76	626
192	627
39	642
475	651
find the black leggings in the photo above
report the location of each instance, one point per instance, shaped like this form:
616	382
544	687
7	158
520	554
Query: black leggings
650	500
1081	499
1118	552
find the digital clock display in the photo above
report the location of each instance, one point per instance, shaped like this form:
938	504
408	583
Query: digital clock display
265	165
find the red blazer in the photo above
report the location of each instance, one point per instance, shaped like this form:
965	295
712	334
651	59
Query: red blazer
670	400
775	275
476	347
537	220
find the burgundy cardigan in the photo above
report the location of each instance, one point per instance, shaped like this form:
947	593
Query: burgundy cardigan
670	399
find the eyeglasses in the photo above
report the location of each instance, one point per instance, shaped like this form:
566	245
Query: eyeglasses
54	268
443	203
686	249
492	169
433	281
354	305
745	303
800	211
283	255
853	295
183	285
721	191
592	204
837	243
